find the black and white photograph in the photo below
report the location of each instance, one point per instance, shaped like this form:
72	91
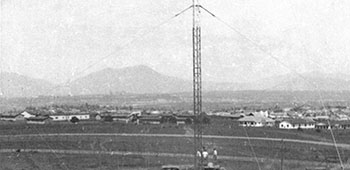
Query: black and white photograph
175	85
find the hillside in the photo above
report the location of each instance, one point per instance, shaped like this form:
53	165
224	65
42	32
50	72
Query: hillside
137	79
15	85
312	81
142	79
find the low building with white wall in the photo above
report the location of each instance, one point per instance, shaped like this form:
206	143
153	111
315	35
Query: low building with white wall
69	117
297	123
256	121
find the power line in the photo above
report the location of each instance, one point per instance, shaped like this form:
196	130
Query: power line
122	47
252	149
279	61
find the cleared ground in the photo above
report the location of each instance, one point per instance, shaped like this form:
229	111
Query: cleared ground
105	150
73	159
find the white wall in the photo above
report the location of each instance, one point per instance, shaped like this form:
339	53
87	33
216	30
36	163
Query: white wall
69	117
250	124
287	125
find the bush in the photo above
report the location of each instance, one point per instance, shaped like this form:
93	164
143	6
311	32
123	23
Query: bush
188	121
168	119
108	118
74	120
204	120
300	129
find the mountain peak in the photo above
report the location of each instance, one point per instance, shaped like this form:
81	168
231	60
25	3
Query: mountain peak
133	79
140	67
16	85
316	73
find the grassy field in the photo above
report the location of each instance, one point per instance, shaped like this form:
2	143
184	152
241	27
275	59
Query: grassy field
229	127
297	155
88	127
218	126
25	161
226	147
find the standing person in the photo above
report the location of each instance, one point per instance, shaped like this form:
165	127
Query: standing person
215	154
205	155
199	154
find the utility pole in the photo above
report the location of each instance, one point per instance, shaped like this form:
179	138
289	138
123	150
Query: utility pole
197	85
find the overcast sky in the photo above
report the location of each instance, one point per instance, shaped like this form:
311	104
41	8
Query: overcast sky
57	40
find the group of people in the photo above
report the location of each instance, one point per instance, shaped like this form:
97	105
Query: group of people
205	154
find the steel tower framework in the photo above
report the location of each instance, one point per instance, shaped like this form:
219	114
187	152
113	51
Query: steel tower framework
197	85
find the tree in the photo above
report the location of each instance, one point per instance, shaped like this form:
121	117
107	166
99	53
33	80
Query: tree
108	118
172	120
188	121
74	120
168	119
206	120
300	129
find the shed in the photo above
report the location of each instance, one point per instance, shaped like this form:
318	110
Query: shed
255	121
149	119
12	117
39	120
297	123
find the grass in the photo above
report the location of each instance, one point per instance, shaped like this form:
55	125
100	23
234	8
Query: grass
227	147
271	150
15	161
88	127
218	126
228	127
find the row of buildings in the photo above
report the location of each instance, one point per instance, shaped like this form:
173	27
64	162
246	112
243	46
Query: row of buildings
246	119
31	118
262	119
133	117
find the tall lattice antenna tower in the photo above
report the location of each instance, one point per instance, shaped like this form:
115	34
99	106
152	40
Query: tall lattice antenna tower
197	84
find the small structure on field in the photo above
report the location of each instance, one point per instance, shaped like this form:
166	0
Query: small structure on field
12	117
39	120
27	114
256	121
164	119
333	125
155	120
68	117
297	124
122	118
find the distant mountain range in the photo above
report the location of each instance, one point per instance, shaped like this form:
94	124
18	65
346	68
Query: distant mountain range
137	79
312	81
15	85
142	79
